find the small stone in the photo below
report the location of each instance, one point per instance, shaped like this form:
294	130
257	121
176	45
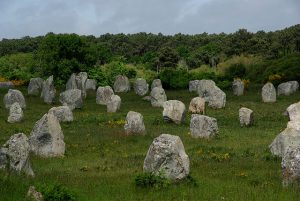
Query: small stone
156	83
114	104
197	106
15	113
34	195
174	111
268	93
103	95
81	79
35	86
134	123
141	87
287	88
238	87
48	91
71	84
203	126
246	116
158	97
291	166
217	98
12	97
121	84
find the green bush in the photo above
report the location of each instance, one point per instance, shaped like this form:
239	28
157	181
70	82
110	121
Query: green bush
235	70
55	192
174	79
146	180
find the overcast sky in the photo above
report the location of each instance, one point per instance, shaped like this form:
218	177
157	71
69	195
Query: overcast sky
20	18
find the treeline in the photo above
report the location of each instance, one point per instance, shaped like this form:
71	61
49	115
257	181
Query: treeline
62	54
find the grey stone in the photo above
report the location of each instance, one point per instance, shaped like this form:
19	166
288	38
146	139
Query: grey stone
4	163
71	98
121	84
15	113
204	87
246	116
156	83
48	91
202	126
103	95
62	113
293	112
193	85
35	86
6	85
166	156
81	79
71	84
238	87
91	84
174	111
287	88
114	104
197	106
158	97
12	97
291	166
46	138
268	93
134	123
141	87
217	98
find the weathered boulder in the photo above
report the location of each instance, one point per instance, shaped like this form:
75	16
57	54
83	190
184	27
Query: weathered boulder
81	79
197	106
167	156
3	159
17	151
193	85
290	137
134	123
48	91
114	104
35	86
246	116
268	93
287	88
156	83
15	113
293	112
238	87
12	97
203	126
103	95
204	87
6	84
90	84
62	113
121	84
291	166
46	138
174	111
141	87
158	97
71	98
217	98
34	195
71	84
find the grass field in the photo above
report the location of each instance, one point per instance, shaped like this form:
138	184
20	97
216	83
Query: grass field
101	163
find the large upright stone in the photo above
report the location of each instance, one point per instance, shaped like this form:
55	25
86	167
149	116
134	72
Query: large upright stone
193	85
113	104
287	88
35	86
246	116
141	87
71	84
103	95
91	84
17	151
197	106
174	111
167	156
71	98
134	123
291	166
268	93
158	97
203	126
15	113
13	96
47	139
238	87
204	87
217	98
156	83
81	79
48	91
293	112
62	113
121	84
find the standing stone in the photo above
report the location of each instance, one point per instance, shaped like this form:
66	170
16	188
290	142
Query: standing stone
287	88
15	113
217	98
35	86
12	97
121	84
47	139
158	97
134	123
197	106
204	88
291	166
71	98
90	85
167	156
114	104
141	87
156	83
238	87
290	137
268	93
246	116
48	91
295	86
71	84
81	79
293	112
17	150
203	126
103	95
62	113
193	85
174	110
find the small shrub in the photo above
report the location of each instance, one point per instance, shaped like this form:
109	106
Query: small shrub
146	180
54	192
174	79
235	70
